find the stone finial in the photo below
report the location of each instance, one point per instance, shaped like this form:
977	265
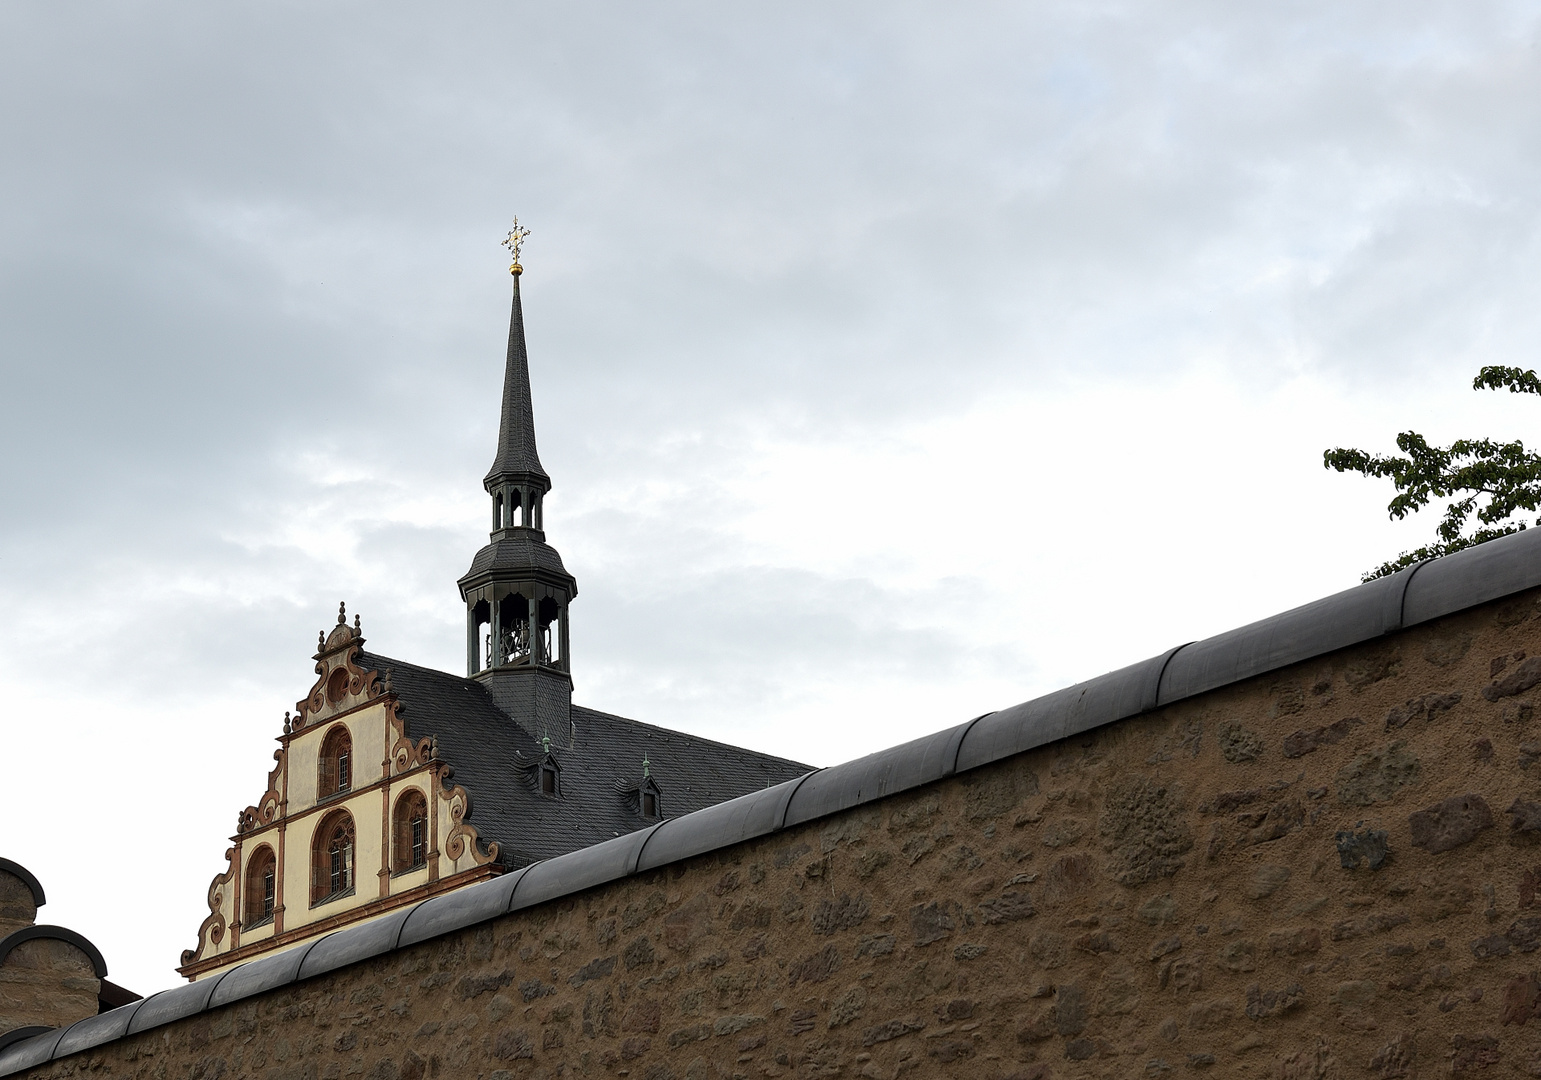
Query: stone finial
287	722
358	630
385	685
320	640
342	613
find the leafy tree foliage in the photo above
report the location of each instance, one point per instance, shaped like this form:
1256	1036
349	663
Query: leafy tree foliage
1485	480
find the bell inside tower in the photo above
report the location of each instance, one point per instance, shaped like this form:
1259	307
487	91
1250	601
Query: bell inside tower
513	640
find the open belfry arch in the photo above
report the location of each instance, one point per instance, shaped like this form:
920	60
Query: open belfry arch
369	805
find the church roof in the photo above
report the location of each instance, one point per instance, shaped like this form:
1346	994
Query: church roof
599	758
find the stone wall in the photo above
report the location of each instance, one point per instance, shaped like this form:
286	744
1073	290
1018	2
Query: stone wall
1330	871
43	982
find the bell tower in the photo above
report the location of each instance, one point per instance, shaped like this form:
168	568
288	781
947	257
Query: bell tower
517	592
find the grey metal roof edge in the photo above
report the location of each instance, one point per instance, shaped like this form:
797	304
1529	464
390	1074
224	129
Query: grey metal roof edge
460	908
343	947
268	973
95	1030
1415	595
16	1035
578	870
27	1053
11	866
720	825
55	933
151	1012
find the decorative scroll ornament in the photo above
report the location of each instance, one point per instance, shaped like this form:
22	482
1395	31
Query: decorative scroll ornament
266	810
515	244
462	837
212	930
340	683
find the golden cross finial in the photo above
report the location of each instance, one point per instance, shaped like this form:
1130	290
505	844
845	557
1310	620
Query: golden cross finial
515	244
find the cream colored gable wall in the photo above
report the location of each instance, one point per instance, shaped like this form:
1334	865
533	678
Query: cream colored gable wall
288	818
365	809
304	758
367	730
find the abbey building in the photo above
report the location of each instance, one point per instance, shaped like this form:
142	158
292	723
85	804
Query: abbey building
395	782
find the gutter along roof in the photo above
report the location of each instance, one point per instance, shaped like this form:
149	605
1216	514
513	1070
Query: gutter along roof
1413	596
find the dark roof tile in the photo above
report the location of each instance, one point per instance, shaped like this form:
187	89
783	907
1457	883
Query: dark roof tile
597	755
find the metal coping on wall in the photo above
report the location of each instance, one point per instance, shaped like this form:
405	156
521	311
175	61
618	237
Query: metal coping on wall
1412	596
55	933
10	866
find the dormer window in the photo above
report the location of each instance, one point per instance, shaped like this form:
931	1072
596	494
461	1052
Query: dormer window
642	796
542	774
335	772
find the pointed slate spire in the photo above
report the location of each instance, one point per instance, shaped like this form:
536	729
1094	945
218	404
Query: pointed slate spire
517	592
517	457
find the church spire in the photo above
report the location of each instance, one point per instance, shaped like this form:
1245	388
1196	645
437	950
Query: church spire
517	591
517	458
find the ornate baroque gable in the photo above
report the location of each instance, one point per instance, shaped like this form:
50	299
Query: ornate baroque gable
353	706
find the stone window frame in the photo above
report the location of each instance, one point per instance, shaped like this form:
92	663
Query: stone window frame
334	767
260	893
333	858
409	845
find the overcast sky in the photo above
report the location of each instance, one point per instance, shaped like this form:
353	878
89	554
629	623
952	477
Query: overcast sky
892	362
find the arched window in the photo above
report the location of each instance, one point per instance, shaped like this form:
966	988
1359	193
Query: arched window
409	832
261	889
331	858
336	768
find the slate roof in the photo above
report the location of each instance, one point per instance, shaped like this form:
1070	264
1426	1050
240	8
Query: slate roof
516	428
517	549
493	756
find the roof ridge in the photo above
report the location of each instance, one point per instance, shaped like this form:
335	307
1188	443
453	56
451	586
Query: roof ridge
690	735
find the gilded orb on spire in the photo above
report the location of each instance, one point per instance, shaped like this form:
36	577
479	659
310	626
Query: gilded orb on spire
515	244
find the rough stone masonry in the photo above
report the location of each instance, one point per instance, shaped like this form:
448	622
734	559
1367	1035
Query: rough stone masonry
1332	870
